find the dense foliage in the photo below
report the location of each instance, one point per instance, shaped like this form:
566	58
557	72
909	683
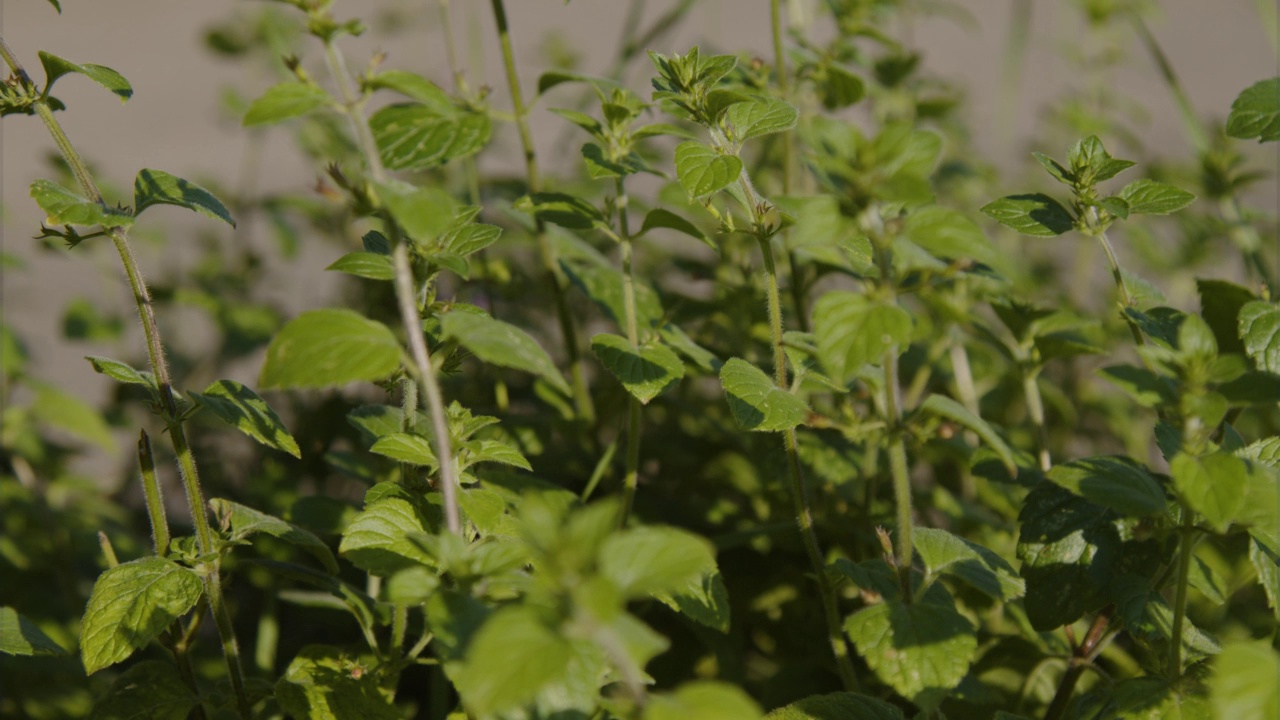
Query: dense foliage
782	403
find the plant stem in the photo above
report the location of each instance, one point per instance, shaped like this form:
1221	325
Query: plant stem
1035	411
903	547
581	396
1118	276
1081	658
154	498
799	493
632	477
784	88
1185	548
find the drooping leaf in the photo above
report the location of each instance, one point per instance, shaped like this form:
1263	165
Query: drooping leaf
756	402
150	690
284	101
837	706
1148	197
853	331
1149	619
244	522
1243	684
324	683
921	650
945	407
763	116
647	560
242	409
372	266
64	207
1036	214
418	137
659	218
1114	482
511	658
55	67
702	170
702	699
377	540
645	371
562	209
1260	332
157	187
323	348
1256	112
503	344
1147	388
20	636
130	605
969	562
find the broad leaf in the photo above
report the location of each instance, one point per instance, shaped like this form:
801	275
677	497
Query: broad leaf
1256	112
371	266
1147	388
647	560
645	371
853	331
1037	215
64	207
130	605
1212	485
406	448
377	540
969	562
324	683
1113	482
702	170
503	344
150	690
945	407
747	120
837	706
55	67
422	212
1244	684
659	218
157	187
284	101
20	636
418	137
1260	332
921	650
756	402
1220	305
241	408
244	522
702	699
323	348
1148	197
68	413
511	658
947	233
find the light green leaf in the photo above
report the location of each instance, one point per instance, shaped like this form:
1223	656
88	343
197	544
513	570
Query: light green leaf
372	266
659	218
1256	112
837	706
130	605
284	101
497	451
1212	485
513	656
70	414
157	187
704	600
20	636
244	522
470	238
150	690
503	344
418	137
646	371
756	402
322	683
762	116
406	448
64	207
647	560
947	233
1265	451
969	562
377	540
422	212
324	348
1244	684
1114	482
1035	214
603	284
1260	332
702	170
1147	388
1148	197
413	86
55	67
853	331
921	650
241	408
119	371
949	409
704	700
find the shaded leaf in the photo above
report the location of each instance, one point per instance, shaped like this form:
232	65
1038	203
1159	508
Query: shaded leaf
659	218
511	658
1037	215
64	207
1256	112
702	699
156	187
837	706
756	402
920	650
377	540
503	344
242	409
949	409
645	371
244	522
853	331
1259	328
1114	482
969	562
323	683
20	636
150	690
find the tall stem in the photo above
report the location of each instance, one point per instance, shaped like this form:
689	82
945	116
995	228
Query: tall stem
1035	411
1118	276
788	150
632	478
898	468
154	498
581	395
1185	548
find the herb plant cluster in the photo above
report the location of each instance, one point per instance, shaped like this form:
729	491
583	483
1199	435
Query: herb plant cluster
780	406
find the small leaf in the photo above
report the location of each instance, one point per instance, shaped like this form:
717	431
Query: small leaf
921	650
241	408
20	636
324	348
1260	333
969	562
371	266
853	331
156	187
377	540
763	116
418	137
284	101
659	218
702	170
406	448
647	560
704	700
130	605
1147	388
840	88
1148	197
64	207
837	706
1037	215
949	409
1115	205
1059	173
1256	112
756	402
1212	485
245	522
55	67
645	371
119	371
502	344
510	659
1114	482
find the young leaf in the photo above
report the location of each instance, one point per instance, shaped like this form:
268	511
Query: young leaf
321	683
1059	173
406	448
1256	112
853	331
20	636
1037	215
969	562
244	522
1212	485
702	170
156	187
377	540
756	402
1259	327
1148	197
64	207
241	408
130	605
1114	482
55	67
511	658
1244	684
371	266
949	409
702	699
118	371
763	116
503	344
284	101
324	348
418	137
921	650
647	560
645	371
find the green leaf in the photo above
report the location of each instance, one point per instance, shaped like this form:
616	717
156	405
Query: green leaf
511	658
470	238
1114	482
20	636
241	408
1091	162
502	344
647	560
1149	619
418	137
377	540
659	218
406	448
704	600
157	187
70	414
921	650
947	233
756	402
411	85
762	116
1243	684
1220	305
1256	113
1260	332
1036	214
839	87
949	409
603	284
497	451
284	101
423	213
324	348
704	700
1264	555
64	207
119	371
244	522
150	690
837	706
853	331
969	562
1212	485
55	67
372	266
1148	197
56	6
324	683
645	371
702	170
130	605
562	209
1059	173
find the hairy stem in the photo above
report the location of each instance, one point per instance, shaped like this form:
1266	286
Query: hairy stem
898	468
154	498
632	477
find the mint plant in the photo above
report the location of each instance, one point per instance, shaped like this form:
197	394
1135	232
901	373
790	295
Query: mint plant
987	500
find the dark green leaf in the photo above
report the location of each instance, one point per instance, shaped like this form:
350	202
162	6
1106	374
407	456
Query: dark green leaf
241	408
1147	388
150	690
945	407
1059	173
244	522
325	683
645	371
324	348
840	88
1114	482
1148	197
659	218
853	331
920	650
55	67
64	207
1259	328
969	562
418	137
500	343
20	636
562	209
1256	112
704	600
1220	305
756	402
837	706
156	187
1037	215
284	101
372	266
702	170
130	605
